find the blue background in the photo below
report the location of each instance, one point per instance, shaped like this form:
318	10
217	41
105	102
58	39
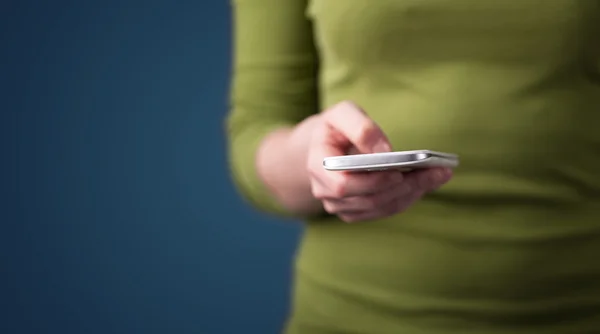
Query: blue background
118	213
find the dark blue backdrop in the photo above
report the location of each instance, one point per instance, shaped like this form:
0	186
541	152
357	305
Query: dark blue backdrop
118	214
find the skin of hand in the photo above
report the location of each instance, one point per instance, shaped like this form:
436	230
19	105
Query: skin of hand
356	197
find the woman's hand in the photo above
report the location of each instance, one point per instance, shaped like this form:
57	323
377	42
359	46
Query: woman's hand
365	196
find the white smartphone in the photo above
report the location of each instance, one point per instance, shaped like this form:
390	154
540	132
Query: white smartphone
404	160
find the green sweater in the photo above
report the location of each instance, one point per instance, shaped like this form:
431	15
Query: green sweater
512	86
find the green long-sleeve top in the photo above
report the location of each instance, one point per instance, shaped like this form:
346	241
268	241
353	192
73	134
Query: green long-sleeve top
512	243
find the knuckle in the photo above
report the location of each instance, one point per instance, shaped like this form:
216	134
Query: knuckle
318	135
373	201
343	109
383	182
419	195
399	207
314	163
367	130
339	108
329	207
339	188
406	189
348	105
424	181
434	179
318	193
349	219
312	170
393	177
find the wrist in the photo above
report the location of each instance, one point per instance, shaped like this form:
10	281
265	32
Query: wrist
281	164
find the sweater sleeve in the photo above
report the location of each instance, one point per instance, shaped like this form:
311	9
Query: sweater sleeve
274	85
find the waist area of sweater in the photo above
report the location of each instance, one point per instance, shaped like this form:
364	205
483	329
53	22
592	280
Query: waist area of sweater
487	261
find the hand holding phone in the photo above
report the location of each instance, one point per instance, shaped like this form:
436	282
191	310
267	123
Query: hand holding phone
364	196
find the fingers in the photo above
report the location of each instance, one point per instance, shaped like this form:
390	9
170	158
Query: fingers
347	129
357	128
336	185
395	199
428	179
368	202
393	207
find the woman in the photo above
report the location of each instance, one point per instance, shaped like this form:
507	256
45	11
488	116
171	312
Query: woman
512	87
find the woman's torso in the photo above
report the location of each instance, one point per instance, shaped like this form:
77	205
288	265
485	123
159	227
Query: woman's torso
509	245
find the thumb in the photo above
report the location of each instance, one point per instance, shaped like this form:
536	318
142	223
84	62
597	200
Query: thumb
357	129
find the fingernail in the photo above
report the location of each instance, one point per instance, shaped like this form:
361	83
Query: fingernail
381	147
439	175
443	175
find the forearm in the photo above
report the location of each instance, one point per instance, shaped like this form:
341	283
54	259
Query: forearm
281	166
273	89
